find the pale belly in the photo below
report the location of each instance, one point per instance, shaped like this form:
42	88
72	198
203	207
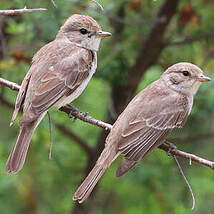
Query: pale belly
68	99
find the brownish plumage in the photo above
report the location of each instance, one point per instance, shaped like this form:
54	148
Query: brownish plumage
147	120
59	73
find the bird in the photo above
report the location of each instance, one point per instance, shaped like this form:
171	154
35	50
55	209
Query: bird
59	73
145	123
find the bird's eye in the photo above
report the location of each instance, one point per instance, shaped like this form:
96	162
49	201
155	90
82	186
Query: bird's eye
83	31
186	73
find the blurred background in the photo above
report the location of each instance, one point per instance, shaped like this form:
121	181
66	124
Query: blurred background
148	36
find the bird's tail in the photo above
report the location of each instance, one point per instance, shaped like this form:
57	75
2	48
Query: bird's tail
17	156
124	167
105	160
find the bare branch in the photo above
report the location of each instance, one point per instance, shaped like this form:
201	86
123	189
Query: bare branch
186	155
54	4
98	4
11	85
20	11
86	118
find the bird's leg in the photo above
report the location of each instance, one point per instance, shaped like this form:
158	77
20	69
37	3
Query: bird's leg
171	147
73	110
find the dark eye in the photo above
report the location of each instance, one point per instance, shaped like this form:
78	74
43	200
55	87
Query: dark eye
83	31
186	73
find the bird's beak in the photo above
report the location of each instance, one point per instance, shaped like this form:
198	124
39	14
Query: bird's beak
203	78
102	34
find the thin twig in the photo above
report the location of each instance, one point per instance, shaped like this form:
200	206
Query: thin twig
20	11
106	126
51	136
86	118
98	4
186	181
9	84
54	4
188	156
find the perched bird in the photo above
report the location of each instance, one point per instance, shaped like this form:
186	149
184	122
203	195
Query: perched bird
147	120
59	73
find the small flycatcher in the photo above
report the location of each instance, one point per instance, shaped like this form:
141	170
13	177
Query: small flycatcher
59	73
147	120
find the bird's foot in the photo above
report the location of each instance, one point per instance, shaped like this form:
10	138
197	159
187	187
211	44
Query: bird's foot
171	147
85	114
75	111
72	109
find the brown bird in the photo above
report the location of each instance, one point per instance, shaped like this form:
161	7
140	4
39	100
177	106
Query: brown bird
147	120
59	73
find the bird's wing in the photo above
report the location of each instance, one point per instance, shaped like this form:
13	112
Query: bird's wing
61	80
21	96
147	129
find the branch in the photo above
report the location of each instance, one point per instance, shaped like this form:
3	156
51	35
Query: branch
20	11
85	118
11	85
186	155
107	126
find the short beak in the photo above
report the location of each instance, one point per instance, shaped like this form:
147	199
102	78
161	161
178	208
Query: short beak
102	34
203	78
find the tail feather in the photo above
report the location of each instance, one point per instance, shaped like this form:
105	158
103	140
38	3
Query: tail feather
18	154
124	167
106	158
89	183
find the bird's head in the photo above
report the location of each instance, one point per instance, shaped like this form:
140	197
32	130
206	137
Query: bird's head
184	77
83	31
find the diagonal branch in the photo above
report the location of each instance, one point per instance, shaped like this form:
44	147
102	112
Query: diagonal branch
85	118
186	155
20	11
107	126
12	85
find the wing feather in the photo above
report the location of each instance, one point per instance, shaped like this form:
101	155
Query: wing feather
144	130
136	143
61	80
